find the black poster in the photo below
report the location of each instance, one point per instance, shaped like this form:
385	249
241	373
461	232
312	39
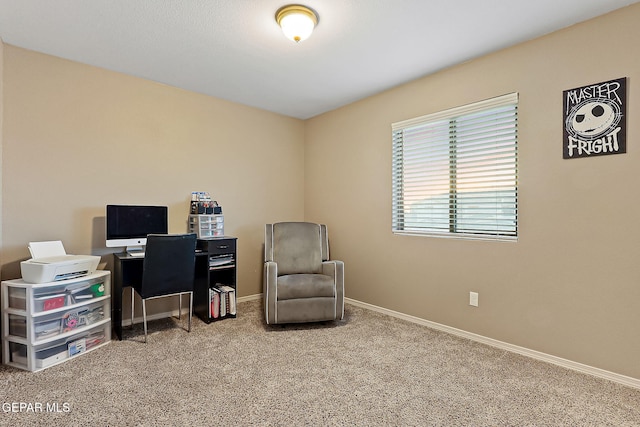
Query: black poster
594	120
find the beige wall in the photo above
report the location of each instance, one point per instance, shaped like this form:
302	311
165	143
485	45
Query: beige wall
77	138
570	286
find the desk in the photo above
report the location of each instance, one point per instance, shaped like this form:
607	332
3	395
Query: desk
127	270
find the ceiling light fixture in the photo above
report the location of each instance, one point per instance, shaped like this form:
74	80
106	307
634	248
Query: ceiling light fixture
297	21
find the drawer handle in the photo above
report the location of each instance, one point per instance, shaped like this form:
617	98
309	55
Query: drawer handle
223	247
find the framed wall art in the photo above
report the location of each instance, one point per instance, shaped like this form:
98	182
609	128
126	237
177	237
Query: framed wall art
594	120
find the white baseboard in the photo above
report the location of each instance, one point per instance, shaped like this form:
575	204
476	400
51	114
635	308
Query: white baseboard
565	363
250	298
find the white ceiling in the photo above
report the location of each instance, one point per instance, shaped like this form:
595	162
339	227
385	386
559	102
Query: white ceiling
233	49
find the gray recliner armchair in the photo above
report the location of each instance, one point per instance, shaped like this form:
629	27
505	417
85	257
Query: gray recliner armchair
300	283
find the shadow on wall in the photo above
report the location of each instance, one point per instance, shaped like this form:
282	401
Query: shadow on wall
11	270
98	245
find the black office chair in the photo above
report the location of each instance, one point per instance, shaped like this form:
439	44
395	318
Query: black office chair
168	270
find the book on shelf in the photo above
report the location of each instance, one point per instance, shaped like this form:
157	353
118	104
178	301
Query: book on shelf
222	300
230	296
214	303
223	304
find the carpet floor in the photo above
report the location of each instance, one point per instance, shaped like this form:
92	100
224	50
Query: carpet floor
368	370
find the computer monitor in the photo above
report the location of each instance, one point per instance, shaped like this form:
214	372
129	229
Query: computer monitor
129	226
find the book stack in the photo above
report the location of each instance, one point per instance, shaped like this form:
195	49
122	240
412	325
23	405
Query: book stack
222	301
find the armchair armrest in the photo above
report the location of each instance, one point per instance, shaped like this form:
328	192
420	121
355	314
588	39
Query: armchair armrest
269	290
335	269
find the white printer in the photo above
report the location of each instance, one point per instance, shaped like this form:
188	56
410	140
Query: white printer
50	263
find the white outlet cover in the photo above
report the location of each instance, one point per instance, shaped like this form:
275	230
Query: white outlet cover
473	299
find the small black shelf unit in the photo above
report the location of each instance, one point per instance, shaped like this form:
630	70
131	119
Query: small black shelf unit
223	263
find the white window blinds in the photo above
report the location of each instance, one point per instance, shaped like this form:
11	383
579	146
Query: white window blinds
455	173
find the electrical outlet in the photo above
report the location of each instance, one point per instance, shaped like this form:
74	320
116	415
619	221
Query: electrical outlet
473	299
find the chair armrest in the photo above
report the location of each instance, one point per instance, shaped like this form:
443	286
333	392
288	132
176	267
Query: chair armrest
335	269
270	290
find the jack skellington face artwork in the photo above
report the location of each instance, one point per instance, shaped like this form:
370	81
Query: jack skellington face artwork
594	118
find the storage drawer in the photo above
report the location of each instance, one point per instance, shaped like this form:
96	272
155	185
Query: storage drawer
49	302
218	246
48	299
51	354
81	317
45	355
17	325
85	291
17	298
206	219
57	323
210	233
56	351
18	354
60	295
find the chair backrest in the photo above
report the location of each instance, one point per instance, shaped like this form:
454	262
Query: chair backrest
169	264
297	247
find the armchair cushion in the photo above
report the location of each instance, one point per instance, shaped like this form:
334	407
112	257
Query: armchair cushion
294	286
297	248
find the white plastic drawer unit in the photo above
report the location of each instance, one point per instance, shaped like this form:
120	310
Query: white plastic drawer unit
48	323
207	225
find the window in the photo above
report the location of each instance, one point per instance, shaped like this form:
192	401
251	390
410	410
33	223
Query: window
455	173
